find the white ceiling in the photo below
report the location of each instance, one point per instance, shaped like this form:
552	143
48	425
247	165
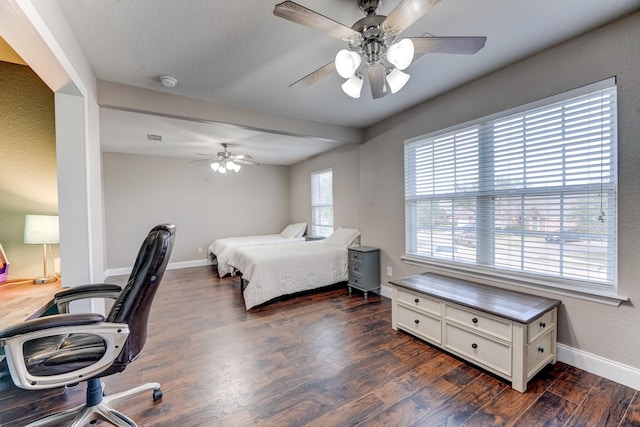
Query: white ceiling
239	54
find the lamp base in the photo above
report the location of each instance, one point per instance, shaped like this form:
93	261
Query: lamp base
41	280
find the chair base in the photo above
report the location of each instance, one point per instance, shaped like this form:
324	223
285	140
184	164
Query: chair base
83	414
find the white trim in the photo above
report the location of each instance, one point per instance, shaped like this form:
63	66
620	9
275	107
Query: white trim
609	369
386	291
171	266
500	279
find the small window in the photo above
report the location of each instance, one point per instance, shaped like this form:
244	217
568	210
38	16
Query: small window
528	194
322	203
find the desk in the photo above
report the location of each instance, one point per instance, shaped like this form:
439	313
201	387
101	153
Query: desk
19	302
22	301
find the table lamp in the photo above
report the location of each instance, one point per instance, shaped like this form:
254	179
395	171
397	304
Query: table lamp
42	230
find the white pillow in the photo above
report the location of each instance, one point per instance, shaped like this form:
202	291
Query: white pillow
342	237
294	230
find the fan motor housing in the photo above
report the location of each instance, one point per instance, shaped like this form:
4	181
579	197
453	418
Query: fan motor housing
369	7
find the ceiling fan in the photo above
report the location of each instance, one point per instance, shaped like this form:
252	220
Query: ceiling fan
372	44
226	161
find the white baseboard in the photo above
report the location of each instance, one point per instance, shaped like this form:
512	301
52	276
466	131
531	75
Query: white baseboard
386	291
171	266
606	368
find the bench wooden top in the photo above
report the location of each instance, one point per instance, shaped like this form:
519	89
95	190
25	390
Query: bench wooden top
512	305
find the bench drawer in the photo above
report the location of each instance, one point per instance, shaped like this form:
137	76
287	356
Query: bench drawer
485	351
420	324
483	322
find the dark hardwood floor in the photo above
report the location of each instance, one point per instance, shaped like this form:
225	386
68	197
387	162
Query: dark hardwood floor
322	359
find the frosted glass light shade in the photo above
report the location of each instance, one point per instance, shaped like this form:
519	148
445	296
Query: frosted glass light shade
41	230
347	62
353	86
401	53
215	166
397	79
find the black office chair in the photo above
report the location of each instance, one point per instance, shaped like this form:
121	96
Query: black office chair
65	349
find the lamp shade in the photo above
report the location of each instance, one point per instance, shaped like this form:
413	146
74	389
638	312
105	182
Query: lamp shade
347	62
215	166
41	230
397	79
401	54
353	86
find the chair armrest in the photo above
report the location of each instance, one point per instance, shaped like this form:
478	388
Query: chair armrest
13	339
96	290
54	321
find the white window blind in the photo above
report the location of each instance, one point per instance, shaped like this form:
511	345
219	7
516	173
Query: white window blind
322	203
531	194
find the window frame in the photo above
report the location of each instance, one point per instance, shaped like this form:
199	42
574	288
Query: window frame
319	228
487	272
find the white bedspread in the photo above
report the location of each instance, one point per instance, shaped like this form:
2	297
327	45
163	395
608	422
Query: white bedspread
222	248
277	270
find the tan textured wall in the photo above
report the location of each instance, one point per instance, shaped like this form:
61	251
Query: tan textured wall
28	182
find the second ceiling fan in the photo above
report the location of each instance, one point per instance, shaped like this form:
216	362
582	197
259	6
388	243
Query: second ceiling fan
372	44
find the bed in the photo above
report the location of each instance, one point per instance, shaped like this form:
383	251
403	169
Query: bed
272	271
220	249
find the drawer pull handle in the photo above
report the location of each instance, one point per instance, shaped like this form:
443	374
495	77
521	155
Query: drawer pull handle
474	346
543	325
417	321
540	349
474	320
417	300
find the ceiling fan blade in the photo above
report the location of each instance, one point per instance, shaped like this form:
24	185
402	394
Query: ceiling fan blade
203	160
309	79
406	13
377	81
307	17
462	45
245	161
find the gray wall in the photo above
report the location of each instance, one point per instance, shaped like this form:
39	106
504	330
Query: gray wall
344	162
142	191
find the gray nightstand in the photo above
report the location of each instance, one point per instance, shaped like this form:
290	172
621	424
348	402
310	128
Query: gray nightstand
364	269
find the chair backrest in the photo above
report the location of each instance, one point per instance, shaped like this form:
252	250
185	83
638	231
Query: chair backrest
134	303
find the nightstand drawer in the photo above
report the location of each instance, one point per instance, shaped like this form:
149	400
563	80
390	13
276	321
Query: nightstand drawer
356	267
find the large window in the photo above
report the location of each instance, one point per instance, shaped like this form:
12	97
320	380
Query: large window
528	194
322	203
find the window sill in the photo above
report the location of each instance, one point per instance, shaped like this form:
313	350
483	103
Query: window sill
509	281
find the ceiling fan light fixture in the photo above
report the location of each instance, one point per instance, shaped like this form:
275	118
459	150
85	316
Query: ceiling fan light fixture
353	86
397	79
347	62
231	165
215	166
400	54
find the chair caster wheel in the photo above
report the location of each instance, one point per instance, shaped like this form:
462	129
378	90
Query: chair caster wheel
157	394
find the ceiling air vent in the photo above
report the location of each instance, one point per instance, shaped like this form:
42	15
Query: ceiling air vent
152	137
